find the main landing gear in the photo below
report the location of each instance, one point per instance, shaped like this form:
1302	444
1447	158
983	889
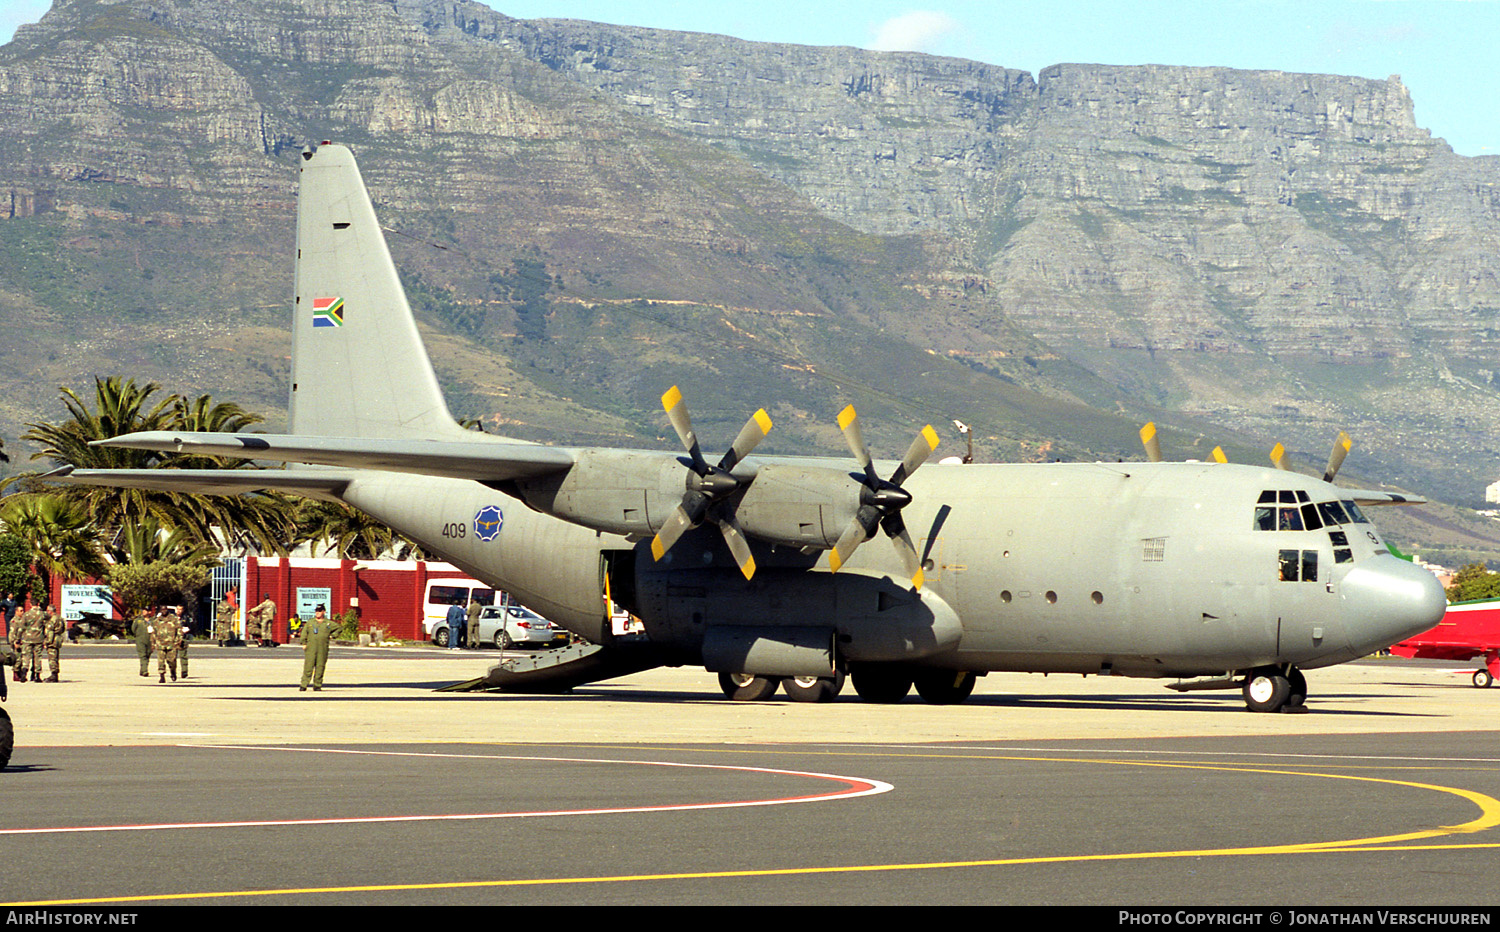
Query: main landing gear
1276	689
874	682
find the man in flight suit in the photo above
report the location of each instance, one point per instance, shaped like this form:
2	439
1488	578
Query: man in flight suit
315	634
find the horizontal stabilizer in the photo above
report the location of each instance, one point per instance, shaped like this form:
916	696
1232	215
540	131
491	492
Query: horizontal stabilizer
485	462
209	481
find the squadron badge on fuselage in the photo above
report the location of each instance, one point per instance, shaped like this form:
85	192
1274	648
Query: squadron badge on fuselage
487	522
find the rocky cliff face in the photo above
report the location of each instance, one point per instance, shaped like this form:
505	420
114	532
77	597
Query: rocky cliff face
1278	254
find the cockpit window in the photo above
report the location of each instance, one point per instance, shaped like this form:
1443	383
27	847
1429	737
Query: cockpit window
1293	510
1310	517
1333	514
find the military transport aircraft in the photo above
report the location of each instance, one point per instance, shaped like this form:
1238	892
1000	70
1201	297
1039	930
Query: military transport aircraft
757	568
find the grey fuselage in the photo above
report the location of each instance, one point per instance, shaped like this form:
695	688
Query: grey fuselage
1139	569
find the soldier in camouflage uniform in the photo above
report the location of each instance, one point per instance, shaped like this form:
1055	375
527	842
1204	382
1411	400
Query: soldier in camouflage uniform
224	619
54	629
264	615
175	614
29	625
166	638
13	635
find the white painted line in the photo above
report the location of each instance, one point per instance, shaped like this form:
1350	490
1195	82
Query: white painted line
857	787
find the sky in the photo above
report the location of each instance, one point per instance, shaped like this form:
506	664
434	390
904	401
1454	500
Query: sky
1444	50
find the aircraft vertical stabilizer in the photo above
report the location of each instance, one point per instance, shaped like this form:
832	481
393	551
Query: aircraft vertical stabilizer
358	365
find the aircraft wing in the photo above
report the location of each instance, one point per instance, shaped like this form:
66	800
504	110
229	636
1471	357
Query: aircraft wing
1372	497
482	461
208	481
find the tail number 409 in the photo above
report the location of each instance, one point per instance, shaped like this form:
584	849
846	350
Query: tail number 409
456	529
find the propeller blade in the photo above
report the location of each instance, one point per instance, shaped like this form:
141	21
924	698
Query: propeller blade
673	529
750	436
849	425
854	535
1341	448
738	545
895	528
1278	457
916	454
1150	442
677	413
1219	456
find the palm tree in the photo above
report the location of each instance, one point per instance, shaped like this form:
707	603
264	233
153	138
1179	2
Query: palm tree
155	564
121	407
58	534
351	534
148	542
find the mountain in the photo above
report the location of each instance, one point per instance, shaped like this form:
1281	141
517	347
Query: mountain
587	214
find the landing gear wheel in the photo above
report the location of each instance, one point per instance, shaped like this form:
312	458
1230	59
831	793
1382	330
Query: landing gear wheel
747	687
814	688
1298	683
881	682
1482	678
944	687
7	739
1266	690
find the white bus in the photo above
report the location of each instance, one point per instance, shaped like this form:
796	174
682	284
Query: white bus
441	593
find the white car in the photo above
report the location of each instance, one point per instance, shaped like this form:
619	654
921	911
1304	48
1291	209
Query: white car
521	627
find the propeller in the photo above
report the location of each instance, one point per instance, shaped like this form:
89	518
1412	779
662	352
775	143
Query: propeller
1150	442
881	500
1153	445
709	485
1341	447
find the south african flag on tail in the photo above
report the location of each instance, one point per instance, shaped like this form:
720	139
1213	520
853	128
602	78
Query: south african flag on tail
328	312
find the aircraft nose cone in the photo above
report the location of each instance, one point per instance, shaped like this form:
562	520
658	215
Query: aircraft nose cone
1388	600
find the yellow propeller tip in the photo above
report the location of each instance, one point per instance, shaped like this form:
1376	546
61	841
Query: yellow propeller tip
657	550
930	436
764	420
834	562
845	416
1148	431
671	398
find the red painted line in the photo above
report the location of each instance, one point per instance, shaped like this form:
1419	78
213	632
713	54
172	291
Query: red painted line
854	787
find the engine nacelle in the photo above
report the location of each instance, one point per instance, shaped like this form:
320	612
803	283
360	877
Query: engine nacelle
799	506
615	491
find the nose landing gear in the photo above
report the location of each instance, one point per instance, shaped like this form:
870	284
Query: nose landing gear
1275	689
